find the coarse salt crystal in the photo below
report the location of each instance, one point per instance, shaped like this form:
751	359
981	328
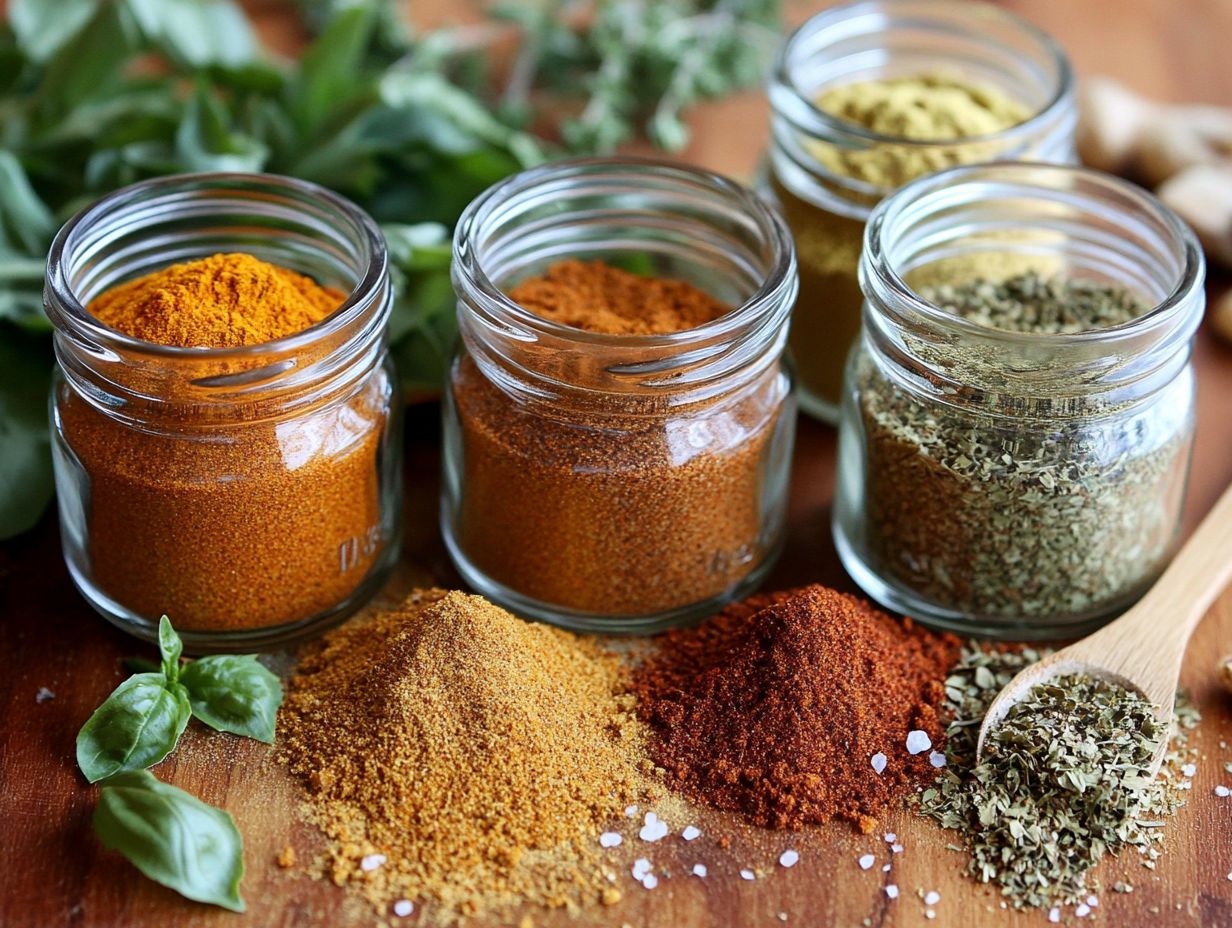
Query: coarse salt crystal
44	695
1092	901
641	867
937	759
403	908
630	811
789	858
690	833
1054	915
1083	910
896	848
892	891
878	762
610	839
867	861
650	881
885	869
932	898
653	831
1230	876
929	913
699	870
918	741
650	818
749	875
371	862
890	837
1189	770
1222	791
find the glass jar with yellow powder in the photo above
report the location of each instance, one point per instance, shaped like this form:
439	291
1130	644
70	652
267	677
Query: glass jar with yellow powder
224	415
871	95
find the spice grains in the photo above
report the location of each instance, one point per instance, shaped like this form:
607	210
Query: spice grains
618	504
223	514
777	707
479	755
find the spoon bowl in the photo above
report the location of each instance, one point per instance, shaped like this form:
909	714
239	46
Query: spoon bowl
1142	651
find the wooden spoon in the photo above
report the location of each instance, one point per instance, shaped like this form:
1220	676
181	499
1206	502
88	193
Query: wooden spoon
1143	649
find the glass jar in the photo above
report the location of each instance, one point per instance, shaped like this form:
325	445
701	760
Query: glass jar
251	494
811	166
619	483
1007	483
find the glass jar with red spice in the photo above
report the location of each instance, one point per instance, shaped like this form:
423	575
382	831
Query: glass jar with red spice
619	482
250	493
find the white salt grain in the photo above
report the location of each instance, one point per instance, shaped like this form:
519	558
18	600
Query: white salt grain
371	862
1189	770
879	762
937	759
44	695
932	898
641	867
690	833
699	870
789	858
885	869
630	811
1054	915
403	908
1083	910
1221	791
892	891
1092	901
918	741
653	830
749	875
890	837
650	881
896	848
866	861
929	913
610	839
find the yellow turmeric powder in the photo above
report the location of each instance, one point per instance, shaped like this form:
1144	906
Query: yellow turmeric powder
224	301
229	513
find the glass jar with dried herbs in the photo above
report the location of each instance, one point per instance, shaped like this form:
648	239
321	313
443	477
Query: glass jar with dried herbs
870	95
225	412
1016	435
619	418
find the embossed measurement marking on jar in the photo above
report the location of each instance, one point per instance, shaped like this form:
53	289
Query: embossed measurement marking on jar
358	549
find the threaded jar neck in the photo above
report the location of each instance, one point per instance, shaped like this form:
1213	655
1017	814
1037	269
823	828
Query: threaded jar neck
143	228
1057	220
673	221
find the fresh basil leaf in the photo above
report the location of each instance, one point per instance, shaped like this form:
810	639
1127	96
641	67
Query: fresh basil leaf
234	693
197	33
331	70
138	725
42	27
25	219
170	649
172	837
205	141
26	483
90	62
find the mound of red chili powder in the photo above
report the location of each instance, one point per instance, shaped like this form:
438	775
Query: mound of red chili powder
776	707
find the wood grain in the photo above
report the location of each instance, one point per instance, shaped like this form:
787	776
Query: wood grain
55	873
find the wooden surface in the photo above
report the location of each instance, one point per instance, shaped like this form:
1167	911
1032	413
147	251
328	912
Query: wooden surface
55	873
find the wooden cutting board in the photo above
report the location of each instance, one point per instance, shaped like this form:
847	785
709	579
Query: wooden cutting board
55	873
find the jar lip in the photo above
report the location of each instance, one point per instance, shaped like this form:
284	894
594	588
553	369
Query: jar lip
1161	315
819	120
779	277
70	309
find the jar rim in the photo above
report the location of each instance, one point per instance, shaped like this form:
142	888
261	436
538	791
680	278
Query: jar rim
1161	316
779	278
820	120
69	309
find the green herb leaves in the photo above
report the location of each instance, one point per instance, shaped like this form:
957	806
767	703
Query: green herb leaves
172	837
234	693
141	722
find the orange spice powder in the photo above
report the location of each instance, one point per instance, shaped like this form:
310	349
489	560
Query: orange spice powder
246	523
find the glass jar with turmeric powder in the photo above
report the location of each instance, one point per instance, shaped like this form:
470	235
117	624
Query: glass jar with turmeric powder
870	95
619	419
225	416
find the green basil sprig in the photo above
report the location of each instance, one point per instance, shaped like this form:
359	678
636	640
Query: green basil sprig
141	722
172	837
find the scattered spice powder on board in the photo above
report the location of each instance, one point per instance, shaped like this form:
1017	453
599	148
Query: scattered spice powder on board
479	754
235	524
616	513
776	707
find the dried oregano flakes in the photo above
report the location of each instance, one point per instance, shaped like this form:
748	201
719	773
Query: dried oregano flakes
1063	781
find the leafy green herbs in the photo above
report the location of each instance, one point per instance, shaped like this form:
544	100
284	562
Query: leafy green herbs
141	722
173	838
96	94
1062	783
